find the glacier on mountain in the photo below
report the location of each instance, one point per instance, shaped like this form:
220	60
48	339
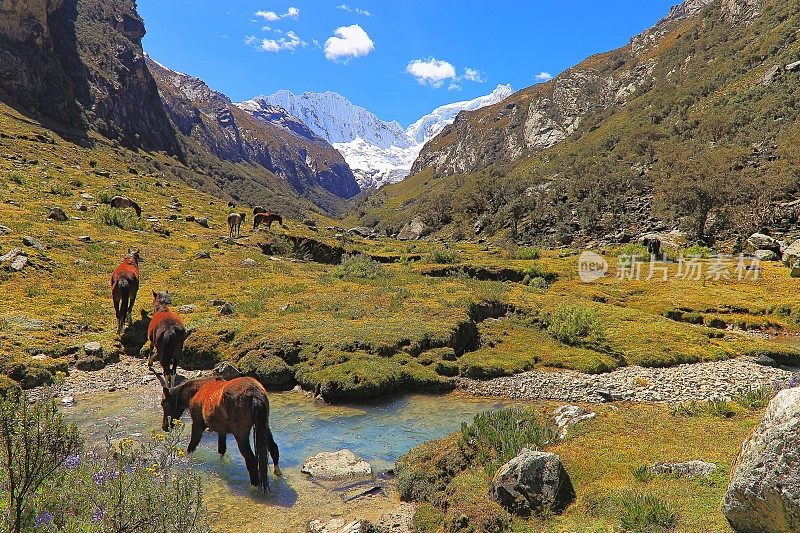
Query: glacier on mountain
378	152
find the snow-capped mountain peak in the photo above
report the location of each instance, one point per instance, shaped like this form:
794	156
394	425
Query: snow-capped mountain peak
377	151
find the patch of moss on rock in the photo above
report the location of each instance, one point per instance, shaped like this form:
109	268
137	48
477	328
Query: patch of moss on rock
201	351
270	370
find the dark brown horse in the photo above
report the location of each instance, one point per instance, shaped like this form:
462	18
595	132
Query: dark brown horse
124	286
235	221
266	218
225	407
121	202
258	209
166	334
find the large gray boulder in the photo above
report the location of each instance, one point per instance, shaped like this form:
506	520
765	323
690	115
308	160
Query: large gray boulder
766	255
414	230
764	492
792	253
533	482
336	465
761	241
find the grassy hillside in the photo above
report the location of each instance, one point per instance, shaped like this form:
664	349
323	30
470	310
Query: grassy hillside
704	143
405	320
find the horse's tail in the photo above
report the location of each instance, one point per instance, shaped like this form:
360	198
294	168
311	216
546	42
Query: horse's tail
262	439
171	348
121	293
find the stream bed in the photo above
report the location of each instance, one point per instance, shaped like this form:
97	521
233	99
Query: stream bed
379	432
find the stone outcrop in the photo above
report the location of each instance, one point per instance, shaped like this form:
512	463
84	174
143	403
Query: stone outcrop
336	466
764	491
533	482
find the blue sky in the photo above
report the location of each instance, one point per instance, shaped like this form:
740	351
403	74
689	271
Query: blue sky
398	58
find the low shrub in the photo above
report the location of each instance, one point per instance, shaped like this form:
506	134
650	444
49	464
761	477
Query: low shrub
355	267
720	409
269	369
754	398
576	326
527	253
495	437
443	256
698	251
674	314
693	318
645	513
126	220
632	252
642	474
717	322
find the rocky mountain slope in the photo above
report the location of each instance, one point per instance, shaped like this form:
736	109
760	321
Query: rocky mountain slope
270	138
379	152
690	126
80	65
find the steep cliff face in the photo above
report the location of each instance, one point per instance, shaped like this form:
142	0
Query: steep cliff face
272	138
538	117
80	64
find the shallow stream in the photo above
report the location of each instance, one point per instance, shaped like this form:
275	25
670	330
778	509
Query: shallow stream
379	432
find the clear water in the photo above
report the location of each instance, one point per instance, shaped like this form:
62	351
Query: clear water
379	432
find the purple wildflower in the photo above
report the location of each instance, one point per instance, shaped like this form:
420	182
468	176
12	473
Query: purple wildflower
99	478
73	461
98	515
44	519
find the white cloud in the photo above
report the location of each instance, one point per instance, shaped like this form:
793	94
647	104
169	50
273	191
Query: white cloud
543	77
472	74
454	86
345	7
431	71
291	42
348	41
271	16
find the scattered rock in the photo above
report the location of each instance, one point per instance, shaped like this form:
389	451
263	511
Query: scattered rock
689	469
190	218
764	491
90	363
84	238
336	465
361	231
203	222
766	255
19	262
203	255
80	262
533	482
791	67
569	415
226	309
67	401
33	243
792	253
5	230
93	349
57	214
761	241
225	370
249	262
414	230
188	308
771	75
80	207
765	360
9	256
336	525
310	222
87	196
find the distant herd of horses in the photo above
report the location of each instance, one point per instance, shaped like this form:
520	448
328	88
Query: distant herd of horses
223	406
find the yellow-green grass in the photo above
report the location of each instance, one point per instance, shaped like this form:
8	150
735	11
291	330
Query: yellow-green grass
358	337
600	457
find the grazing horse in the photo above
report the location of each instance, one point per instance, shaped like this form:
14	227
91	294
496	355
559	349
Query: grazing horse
124	286
653	245
121	202
225	407
266	218
258	209
235	221
166	334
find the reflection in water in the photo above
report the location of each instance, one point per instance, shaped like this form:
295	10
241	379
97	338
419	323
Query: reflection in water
380	432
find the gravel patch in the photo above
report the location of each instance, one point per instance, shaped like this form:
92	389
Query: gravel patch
697	381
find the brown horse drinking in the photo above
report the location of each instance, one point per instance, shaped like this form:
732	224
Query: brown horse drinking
225	407
166	334
235	224
124	286
266	218
121	202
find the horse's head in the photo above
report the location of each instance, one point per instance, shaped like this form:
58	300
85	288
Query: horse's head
161	299
133	256
171	405
242	215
